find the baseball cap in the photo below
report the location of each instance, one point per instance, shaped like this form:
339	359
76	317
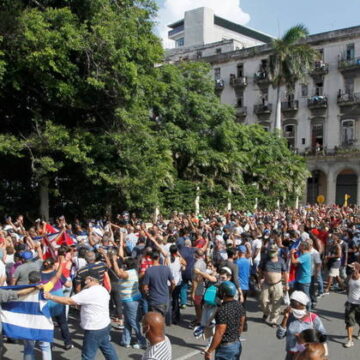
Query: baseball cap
27	255
300	297
242	248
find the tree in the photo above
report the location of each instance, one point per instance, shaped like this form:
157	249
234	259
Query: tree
290	61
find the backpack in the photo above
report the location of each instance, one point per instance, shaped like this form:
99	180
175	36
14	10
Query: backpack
210	295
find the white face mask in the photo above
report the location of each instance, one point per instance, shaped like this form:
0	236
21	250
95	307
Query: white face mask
300	347
298	314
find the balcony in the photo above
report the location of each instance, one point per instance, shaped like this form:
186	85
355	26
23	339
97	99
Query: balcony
219	84
317	102
348	99
263	109
176	30
261	78
349	64
347	149
320	69
290	106
239	82
241	111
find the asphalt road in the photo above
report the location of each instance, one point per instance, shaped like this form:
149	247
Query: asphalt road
259	342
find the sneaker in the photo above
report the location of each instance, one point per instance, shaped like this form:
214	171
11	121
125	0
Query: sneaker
326	293
127	346
350	343
357	336
183	307
69	346
136	346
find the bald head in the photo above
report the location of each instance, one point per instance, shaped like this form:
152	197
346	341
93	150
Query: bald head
153	326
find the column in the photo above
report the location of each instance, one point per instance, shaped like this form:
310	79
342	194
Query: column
330	188
358	191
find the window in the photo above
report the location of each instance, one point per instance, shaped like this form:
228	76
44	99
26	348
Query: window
319	88
349	85
180	42
218	51
289	134
217	73
350	51
347	132
321	54
199	54
304	90
240	70
303	141
263	66
266	128
317	136
240	101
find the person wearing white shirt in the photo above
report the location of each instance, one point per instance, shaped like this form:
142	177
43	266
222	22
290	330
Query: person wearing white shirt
94	317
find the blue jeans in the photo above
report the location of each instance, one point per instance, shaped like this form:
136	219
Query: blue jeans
316	284
98	339
230	351
183	293
132	321
306	289
29	346
144	305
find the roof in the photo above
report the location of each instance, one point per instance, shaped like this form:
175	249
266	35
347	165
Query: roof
176	24
242	30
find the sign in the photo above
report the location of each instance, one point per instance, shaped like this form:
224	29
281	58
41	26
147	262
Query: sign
320	199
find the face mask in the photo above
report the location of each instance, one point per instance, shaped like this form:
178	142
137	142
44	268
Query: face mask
300	347
298	314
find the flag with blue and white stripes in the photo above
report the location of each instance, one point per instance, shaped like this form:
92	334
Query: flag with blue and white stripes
28	317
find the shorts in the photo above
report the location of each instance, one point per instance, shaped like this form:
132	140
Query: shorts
352	314
198	299
334	272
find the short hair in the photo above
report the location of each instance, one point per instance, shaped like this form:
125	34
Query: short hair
230	253
155	255
90	256
34	277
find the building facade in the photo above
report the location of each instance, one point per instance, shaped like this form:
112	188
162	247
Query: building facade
320	118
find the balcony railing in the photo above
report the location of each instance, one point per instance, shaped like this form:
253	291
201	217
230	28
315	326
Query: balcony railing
348	99
176	30
317	102
261	77
238	82
219	84
320	69
292	105
241	111
349	64
347	148
260	109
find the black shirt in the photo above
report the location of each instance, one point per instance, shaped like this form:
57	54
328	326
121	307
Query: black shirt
230	313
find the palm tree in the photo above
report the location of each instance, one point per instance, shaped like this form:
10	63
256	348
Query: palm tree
290	61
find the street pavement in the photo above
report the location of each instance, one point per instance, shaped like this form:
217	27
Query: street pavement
259	342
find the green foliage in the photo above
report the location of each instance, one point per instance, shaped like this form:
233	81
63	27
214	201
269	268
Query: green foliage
78	78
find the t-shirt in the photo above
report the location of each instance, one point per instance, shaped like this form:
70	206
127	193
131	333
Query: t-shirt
354	291
244	266
315	260
278	266
157	277
303	270
188	253
22	272
256	244
351	255
175	268
94	312
159	351
200	265
230	313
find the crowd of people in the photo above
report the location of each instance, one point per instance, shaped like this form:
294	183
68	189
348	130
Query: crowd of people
139	277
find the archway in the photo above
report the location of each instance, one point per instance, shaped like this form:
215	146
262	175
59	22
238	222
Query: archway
346	183
316	185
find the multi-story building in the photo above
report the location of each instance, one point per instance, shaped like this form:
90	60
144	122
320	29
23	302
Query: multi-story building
320	118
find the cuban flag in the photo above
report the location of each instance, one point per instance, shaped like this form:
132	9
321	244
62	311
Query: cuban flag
27	318
292	267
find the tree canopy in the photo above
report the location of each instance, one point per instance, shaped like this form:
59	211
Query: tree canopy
90	121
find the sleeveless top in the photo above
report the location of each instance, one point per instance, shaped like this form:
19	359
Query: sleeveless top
129	288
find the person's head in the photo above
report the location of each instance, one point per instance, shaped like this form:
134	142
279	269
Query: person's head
226	290
273	251
90	257
34	277
304	246
242	250
130	263
355	269
48	264
82	252
187	243
27	256
199	254
65	251
309	336
92	278
298	302
230	253
153	327
225	273
155	256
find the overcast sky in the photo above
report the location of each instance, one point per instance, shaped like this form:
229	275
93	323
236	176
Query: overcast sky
270	16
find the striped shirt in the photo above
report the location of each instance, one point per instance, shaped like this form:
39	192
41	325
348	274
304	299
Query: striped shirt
99	267
159	351
129	288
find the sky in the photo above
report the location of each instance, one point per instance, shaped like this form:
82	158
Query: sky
270	16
